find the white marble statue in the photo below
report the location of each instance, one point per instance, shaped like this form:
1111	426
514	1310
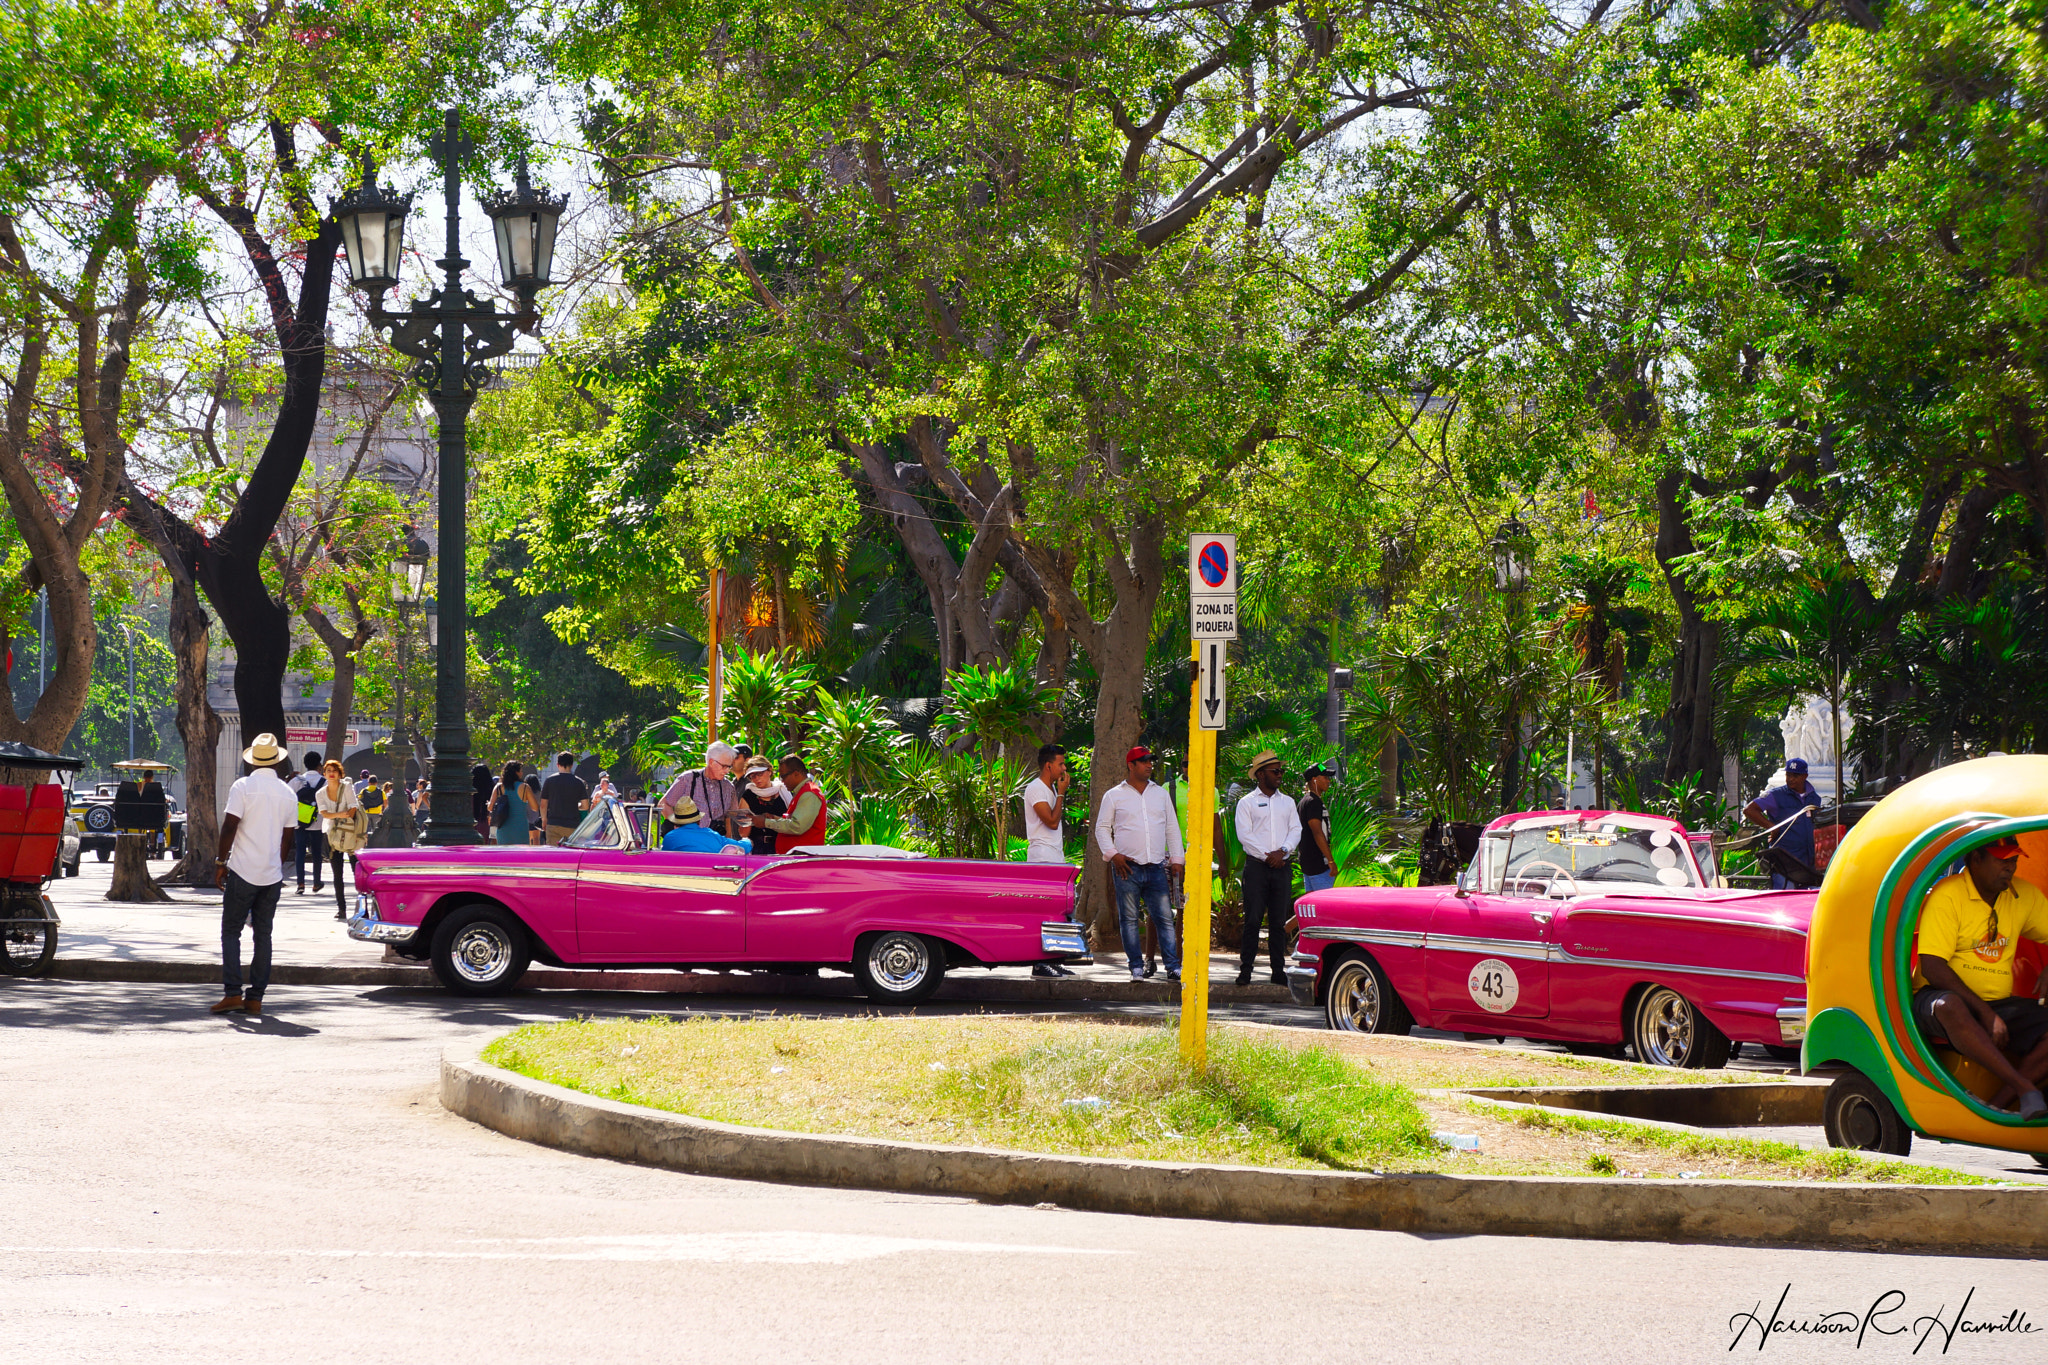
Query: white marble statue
1809	731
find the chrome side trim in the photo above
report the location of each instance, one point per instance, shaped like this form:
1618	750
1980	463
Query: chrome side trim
1661	967
1529	949
1689	919
659	881
1393	938
541	874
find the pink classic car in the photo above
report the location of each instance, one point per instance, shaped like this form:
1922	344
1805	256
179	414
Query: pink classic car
1597	929
603	898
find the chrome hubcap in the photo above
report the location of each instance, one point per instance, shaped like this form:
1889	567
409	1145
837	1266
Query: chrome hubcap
482	952
899	961
1666	1032
1355	999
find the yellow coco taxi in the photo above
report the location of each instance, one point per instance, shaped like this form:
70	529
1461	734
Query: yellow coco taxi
1859	958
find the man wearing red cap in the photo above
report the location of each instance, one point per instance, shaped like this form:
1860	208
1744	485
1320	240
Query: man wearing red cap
1138	833
1970	929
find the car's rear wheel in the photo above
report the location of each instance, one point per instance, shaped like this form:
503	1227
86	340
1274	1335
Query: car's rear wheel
1857	1115
1361	1000
1669	1030
480	950
897	968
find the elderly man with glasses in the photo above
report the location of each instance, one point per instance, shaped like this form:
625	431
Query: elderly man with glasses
708	789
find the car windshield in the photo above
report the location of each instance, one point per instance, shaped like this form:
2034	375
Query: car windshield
612	824
1558	857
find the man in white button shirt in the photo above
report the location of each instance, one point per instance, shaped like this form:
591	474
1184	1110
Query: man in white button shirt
256	836
1268	829
1138	833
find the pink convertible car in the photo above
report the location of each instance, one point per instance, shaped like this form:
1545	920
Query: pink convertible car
898	920
1597	929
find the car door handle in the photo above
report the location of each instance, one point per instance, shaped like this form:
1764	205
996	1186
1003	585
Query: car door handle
1540	916
727	867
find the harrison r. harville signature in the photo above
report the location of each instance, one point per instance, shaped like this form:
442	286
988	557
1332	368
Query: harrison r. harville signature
1885	1317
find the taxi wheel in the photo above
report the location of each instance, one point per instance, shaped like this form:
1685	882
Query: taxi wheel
1859	1116
480	950
898	968
1668	1030
1362	1000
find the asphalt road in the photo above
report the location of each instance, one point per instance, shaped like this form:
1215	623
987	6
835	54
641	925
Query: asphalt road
181	1187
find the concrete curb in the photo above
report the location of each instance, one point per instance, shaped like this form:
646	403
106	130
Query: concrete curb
993	989
1955	1220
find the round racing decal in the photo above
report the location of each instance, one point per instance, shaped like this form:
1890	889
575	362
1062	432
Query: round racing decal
1493	985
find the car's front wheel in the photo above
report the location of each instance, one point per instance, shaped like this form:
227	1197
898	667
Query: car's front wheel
1362	1000
897	968
1856	1114
1668	1030
480	950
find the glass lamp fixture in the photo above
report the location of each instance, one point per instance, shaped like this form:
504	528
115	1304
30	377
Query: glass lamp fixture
372	221
525	222
1511	555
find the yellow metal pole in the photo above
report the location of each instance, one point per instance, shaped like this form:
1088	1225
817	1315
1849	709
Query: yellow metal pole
1194	948
714	682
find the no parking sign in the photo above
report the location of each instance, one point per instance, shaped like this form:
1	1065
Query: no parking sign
1212	586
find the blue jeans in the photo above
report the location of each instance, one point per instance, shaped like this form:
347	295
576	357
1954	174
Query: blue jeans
1145	889
255	906
1318	881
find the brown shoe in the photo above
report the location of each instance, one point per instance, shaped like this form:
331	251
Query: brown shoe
253	1005
231	1002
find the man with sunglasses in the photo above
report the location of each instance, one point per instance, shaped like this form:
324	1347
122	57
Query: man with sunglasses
1139	835
1268	830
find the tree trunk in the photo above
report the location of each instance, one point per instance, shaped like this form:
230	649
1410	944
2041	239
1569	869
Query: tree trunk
132	881
1691	717
199	728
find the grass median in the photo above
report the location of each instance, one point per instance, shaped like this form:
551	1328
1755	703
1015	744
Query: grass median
1026	1085
1087	1088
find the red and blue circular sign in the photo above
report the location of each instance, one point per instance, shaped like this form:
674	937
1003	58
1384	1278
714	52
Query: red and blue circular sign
1213	564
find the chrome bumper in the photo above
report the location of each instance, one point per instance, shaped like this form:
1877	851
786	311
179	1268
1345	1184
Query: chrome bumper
1792	1023
365	925
1062	938
1301	978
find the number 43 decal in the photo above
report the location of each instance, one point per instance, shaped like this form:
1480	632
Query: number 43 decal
1493	986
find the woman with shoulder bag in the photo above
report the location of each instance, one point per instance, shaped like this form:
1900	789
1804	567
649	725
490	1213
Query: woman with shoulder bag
509	811
342	820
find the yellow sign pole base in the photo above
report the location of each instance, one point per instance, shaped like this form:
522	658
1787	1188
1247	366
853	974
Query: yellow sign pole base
1194	947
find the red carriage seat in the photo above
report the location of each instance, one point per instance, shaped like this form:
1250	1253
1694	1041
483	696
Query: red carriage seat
42	830
13	817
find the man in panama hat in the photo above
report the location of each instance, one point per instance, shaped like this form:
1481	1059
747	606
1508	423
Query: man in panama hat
256	836
1269	830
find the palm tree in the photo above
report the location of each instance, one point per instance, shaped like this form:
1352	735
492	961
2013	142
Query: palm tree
996	706
1813	639
765	693
856	745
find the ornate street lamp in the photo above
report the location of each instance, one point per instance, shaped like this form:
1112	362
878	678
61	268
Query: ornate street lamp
408	581
451	333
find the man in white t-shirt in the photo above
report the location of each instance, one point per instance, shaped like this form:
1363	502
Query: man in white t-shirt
256	836
1043	797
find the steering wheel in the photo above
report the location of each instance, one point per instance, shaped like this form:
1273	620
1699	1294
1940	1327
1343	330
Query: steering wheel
1522	875
1618	862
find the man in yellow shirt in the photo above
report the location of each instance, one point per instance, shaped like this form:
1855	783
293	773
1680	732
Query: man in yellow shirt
1970	930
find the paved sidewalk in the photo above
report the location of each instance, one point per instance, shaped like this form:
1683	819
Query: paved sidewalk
99	935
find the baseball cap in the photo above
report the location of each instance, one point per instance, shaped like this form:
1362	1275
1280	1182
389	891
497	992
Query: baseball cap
1138	754
2004	848
1795	765
1320	770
